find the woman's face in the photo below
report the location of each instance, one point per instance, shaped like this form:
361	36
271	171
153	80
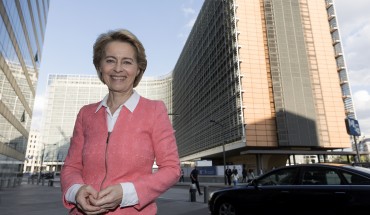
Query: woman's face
119	67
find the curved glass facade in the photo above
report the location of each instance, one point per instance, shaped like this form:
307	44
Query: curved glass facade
66	94
22	28
158	88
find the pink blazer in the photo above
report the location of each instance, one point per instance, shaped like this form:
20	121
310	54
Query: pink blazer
138	138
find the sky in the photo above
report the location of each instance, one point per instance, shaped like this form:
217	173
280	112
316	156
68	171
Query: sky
163	27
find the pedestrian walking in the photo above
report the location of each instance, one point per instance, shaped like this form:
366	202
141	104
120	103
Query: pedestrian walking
182	176
235	177
194	179
244	174
228	174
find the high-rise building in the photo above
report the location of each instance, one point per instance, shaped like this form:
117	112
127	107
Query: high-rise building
158	88
22	30
265	79
66	94
34	152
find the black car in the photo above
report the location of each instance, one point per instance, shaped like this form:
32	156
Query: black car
47	175
298	189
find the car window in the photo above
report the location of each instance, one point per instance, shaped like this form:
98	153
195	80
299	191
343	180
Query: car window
280	177
320	176
356	179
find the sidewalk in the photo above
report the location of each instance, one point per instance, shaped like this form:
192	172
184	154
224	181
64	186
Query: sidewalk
33	199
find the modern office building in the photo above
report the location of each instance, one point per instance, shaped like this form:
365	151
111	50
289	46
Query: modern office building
159	88
32	163
66	94
265	79
22	30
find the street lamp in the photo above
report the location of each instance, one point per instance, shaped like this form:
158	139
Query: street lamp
223	145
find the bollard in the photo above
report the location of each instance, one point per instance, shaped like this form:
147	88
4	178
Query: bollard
192	193
43	182
205	192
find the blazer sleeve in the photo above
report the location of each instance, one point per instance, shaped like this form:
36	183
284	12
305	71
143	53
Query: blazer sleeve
71	172
166	156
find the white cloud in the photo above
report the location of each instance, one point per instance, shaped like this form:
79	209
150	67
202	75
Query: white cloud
360	78
357	48
354	24
361	101
188	11
38	109
191	23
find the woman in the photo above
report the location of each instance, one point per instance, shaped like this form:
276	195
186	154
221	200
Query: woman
108	168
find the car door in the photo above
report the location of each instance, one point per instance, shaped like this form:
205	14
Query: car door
272	191
321	191
359	193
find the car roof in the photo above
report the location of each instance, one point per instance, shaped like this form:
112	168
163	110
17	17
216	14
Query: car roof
346	166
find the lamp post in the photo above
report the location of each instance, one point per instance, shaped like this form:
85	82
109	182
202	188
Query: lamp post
223	145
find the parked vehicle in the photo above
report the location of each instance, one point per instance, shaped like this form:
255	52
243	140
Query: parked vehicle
298	189
47	175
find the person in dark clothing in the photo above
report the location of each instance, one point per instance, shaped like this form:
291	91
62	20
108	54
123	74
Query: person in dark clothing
228	174
244	175
194	179
182	176
235	171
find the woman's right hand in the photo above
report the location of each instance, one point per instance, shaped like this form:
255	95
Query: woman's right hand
83	196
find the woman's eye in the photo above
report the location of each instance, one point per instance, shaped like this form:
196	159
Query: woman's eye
127	62
109	61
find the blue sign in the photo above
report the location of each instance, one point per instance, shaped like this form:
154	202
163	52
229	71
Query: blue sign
207	170
353	128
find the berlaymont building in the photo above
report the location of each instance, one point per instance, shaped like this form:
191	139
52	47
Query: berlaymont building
66	94
261	81
22	30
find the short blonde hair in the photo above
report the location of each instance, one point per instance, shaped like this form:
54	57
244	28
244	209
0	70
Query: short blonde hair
121	35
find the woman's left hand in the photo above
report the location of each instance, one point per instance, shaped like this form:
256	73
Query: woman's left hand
109	198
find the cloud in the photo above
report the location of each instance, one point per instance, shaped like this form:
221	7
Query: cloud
361	101
359	78
353	20
187	11
38	109
357	48
191	23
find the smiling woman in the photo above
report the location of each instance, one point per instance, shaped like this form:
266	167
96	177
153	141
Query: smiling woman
174	19
108	168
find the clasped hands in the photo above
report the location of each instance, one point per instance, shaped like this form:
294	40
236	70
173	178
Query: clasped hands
91	201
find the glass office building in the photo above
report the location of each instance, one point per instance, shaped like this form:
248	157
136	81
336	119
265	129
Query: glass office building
266	79
22	30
